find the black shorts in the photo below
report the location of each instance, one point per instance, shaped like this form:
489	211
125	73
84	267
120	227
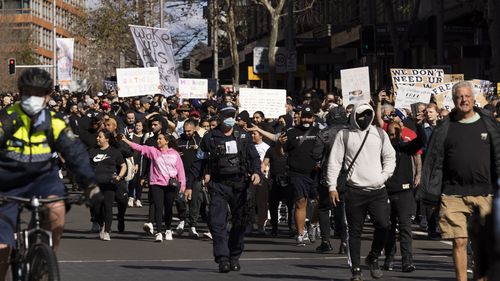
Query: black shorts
303	187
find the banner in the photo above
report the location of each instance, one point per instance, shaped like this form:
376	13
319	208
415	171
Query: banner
408	95
138	81
453	78
270	101
193	88
65	52
355	83
482	90
284	60
155	48
442	94
426	78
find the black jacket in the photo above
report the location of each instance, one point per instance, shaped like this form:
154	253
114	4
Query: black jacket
432	171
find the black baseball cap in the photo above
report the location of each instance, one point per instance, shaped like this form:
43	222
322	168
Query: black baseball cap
307	110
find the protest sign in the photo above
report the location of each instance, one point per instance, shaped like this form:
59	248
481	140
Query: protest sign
110	85
442	94
270	101
138	81
453	78
482	90
426	78
154	45
193	88
355	85
408	95
65	51
284	60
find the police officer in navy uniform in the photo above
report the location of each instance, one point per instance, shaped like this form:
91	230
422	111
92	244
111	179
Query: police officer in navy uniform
228	162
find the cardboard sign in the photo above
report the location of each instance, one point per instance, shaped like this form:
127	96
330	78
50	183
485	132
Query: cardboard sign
442	94
355	85
138	81
270	101
193	88
453	78
426	78
408	95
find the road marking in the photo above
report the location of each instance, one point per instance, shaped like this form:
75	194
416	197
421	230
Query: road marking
243	259
425	234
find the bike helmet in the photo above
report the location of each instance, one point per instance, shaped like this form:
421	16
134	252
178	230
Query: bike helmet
36	78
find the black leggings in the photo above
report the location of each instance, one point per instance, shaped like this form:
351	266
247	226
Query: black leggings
163	197
106	211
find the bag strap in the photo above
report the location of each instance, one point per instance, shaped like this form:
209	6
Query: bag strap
357	153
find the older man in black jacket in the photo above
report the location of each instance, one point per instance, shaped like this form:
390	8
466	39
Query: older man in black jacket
460	170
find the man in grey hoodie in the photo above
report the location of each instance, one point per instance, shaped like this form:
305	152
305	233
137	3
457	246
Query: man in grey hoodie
366	191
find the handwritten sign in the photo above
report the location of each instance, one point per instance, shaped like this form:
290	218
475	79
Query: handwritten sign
443	96
154	45
270	101
453	78
193	88
416	77
408	95
138	81
355	85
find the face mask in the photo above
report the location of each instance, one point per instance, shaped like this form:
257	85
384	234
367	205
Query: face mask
229	122
363	119
32	104
306	125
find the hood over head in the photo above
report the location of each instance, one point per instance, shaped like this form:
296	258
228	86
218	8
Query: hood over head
362	116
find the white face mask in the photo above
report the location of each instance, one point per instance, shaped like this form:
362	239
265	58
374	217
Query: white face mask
32	104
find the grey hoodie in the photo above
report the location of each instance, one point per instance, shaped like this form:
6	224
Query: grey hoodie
376	161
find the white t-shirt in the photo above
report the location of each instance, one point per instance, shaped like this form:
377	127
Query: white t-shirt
262	149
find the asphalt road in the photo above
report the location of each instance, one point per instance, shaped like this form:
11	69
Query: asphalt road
133	255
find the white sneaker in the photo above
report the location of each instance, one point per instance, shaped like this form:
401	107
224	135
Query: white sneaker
168	235
302	239
193	233
314	233
131	201
138	203
95	227
207	235
180	228
106	236
158	237
148	228
101	233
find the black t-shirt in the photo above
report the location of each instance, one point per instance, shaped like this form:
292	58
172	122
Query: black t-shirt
277	162
467	160
299	147
106	163
187	149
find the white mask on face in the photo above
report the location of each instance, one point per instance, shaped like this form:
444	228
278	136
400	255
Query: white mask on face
32	104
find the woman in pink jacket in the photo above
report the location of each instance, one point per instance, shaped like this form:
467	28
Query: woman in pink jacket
166	164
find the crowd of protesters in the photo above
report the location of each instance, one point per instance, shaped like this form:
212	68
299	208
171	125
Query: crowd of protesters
151	142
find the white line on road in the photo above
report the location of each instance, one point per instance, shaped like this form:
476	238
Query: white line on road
425	234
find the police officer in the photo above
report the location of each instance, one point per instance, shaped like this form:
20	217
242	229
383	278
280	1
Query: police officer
30	134
228	161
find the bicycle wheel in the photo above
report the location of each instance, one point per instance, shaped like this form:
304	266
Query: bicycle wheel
42	264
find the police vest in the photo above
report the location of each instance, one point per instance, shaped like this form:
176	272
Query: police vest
29	151
228	157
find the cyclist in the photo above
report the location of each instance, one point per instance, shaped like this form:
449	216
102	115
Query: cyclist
30	135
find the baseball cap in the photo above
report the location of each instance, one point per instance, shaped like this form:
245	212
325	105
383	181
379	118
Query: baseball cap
105	105
307	110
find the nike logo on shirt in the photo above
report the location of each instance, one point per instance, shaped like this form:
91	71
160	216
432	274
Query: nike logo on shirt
100	157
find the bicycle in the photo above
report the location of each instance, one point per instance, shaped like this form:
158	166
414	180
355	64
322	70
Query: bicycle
33	259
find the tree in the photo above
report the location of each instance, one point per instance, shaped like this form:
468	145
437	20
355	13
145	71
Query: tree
233	42
494	32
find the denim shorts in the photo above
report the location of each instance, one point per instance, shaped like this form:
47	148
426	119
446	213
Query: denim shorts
43	186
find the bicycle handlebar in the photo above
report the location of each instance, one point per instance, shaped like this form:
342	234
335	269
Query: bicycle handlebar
36	202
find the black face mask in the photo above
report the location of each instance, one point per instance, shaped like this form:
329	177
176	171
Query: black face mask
364	119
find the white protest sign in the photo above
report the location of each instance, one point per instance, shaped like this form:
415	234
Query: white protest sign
154	45
138	81
270	101
355	85
65	52
442	93
193	88
481	91
416	77
408	95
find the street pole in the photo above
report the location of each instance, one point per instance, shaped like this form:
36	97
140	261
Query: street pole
162	14
290	43
54	43
215	36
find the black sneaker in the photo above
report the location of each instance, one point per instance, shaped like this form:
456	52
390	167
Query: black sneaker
356	274
409	267
235	265
372	264
388	264
342	248
224	267
324	247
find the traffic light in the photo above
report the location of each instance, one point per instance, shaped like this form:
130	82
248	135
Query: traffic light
367	39
12	66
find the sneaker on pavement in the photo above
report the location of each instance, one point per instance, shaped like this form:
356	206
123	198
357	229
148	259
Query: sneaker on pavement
409	267
313	233
180	228
374	267
106	236
131	201
324	247
95	227
356	274
101	233
193	233
158	237
388	264
138	203
148	228
207	235
168	235
302	239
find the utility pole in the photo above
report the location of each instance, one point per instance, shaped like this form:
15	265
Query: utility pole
162	14
215	41
54	43
290	44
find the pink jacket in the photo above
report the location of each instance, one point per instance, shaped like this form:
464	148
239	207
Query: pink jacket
164	165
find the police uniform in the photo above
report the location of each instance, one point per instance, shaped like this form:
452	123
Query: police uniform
230	160
27	160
